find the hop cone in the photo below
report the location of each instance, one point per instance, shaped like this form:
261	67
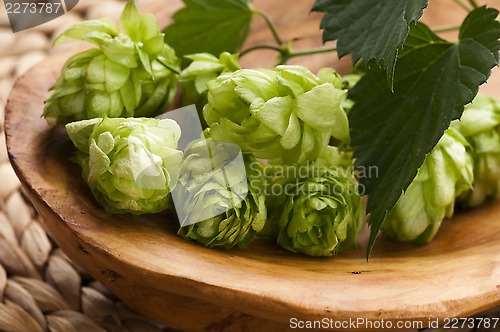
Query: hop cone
480	124
130	74
286	115
204	68
220	195
321	213
447	172
130	164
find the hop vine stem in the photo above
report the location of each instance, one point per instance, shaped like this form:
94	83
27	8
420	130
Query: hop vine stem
260	47
285	48
446	28
271	26
473	3
466	6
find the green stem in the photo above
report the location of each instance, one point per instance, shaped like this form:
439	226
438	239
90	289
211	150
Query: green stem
287	54
464	5
446	28
271	26
260	47
473	3
312	51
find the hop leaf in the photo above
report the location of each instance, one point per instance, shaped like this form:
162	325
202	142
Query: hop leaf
434	79
212	26
358	25
129	164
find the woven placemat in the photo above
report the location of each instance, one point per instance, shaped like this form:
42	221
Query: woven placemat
41	289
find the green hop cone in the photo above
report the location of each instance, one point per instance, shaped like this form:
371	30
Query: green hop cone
131	73
334	157
204	68
321	211
130	164
480	124
220	197
286	115
446	173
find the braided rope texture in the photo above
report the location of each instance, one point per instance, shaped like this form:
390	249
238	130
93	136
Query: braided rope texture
41	289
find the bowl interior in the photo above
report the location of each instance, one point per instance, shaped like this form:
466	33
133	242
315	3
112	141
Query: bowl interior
456	274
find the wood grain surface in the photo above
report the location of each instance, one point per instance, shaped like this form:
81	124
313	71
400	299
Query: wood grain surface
186	286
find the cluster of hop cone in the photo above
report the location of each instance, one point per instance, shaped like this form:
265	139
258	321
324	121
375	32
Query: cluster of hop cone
263	129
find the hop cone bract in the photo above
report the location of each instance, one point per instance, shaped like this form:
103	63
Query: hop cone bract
480	124
204	68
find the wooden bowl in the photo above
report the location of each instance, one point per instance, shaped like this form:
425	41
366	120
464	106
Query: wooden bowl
186	286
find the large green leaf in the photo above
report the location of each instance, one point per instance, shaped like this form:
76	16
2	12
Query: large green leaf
433	80
370	30
210	26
